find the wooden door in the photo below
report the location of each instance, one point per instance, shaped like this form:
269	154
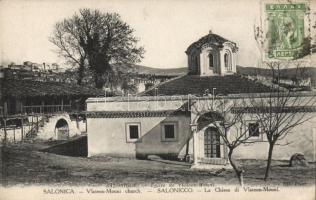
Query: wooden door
212	147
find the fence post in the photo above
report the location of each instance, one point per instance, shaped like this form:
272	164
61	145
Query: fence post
14	133
5	131
21	129
5	108
86	123
42	106
36	123
77	122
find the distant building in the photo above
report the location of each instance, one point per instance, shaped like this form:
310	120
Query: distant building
26	94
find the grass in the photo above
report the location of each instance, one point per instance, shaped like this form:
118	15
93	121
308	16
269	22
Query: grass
24	164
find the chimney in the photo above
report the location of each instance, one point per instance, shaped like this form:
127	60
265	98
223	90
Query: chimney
210	31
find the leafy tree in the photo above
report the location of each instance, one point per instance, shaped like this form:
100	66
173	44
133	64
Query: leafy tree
96	40
313	45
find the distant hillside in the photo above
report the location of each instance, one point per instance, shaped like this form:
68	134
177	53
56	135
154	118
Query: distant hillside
288	73
150	70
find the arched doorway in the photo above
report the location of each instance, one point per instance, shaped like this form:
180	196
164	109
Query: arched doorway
62	129
208	145
212	146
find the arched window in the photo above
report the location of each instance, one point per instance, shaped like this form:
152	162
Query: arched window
227	60
211	60
196	60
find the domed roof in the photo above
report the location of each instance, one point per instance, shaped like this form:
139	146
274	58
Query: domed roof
209	38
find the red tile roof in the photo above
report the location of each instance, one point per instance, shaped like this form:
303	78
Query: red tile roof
198	85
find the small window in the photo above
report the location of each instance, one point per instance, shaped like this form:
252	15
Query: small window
227	61
169	131
211	60
132	132
253	129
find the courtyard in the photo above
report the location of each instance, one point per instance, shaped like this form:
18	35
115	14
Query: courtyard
25	164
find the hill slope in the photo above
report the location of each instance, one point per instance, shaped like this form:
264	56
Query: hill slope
140	69
288	73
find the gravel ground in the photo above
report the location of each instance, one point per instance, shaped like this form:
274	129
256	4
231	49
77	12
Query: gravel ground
24	164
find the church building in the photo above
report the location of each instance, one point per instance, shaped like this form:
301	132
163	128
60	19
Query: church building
170	119
212	55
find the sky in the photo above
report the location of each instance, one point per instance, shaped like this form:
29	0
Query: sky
165	28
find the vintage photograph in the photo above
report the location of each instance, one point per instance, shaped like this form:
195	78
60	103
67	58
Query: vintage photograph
140	99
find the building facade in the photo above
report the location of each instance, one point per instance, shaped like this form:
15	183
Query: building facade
175	119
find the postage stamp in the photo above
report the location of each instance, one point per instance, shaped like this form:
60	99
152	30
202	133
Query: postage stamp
285	30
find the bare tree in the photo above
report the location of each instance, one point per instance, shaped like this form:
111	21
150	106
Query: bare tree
231	123
280	111
283	109
97	40
65	38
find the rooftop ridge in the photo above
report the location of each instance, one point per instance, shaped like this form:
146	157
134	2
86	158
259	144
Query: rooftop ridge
201	85
193	97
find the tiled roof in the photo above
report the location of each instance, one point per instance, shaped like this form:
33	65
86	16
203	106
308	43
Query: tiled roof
209	38
198	85
267	109
29	88
134	114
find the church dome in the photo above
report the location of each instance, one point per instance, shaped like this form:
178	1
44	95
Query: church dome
210	38
212	55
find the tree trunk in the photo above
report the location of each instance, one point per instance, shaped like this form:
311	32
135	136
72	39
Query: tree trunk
100	70
187	150
271	145
98	80
239	173
80	74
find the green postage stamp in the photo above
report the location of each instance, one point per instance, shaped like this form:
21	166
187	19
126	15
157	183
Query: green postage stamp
286	30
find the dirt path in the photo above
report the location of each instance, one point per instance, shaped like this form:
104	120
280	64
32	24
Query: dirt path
25	165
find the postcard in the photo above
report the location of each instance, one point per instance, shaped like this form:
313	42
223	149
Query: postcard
180	99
